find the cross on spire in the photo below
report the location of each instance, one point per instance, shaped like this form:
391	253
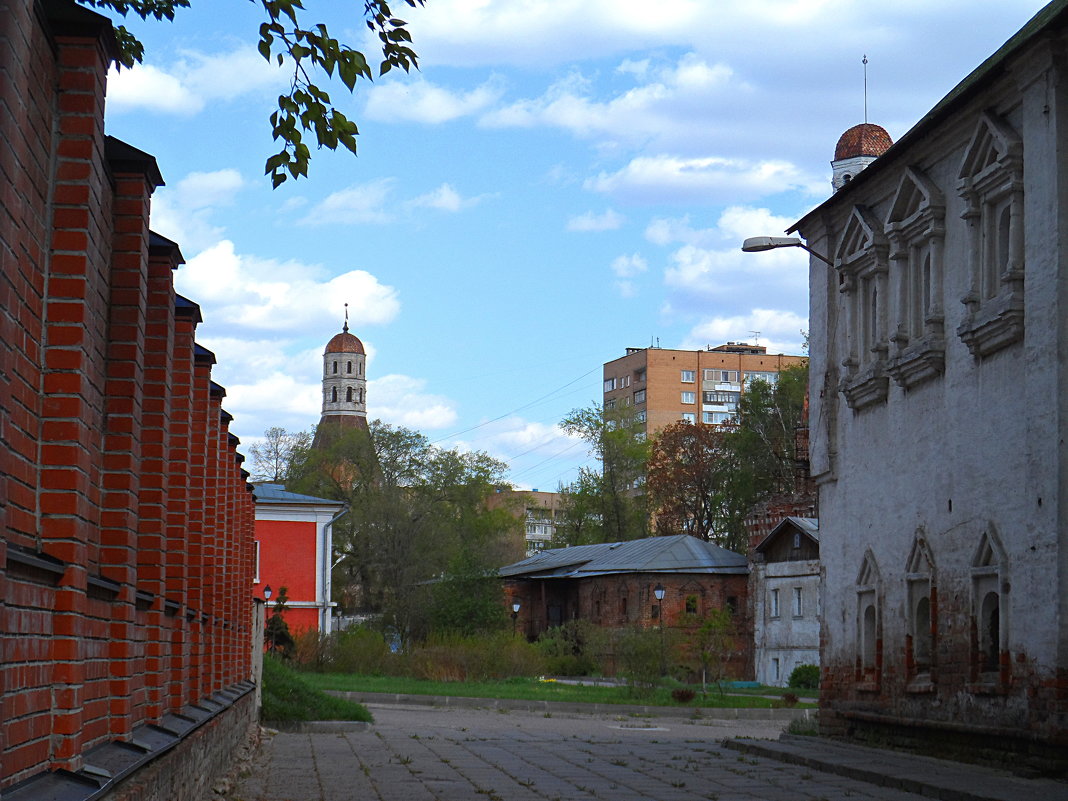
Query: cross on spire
345	327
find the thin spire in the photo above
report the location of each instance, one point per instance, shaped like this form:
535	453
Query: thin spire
865	63
345	328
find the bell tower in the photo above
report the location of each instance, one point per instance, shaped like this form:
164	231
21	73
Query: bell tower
344	381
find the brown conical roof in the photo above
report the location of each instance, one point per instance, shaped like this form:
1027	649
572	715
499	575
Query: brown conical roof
866	139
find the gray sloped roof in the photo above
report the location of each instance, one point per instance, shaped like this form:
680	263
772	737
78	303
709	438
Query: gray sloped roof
678	554
809	526
276	493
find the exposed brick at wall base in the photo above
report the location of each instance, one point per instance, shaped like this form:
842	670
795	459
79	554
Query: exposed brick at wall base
189	770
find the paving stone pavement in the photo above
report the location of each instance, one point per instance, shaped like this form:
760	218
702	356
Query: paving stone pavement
434	754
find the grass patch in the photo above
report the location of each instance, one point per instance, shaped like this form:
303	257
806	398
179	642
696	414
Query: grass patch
525	689
287	696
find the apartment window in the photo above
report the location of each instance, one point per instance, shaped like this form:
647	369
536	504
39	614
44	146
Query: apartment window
767	377
722	397
774	603
609	404
624	381
640	416
639	396
721	375
688	376
689	417
799	606
715	418
689	397
609	384
639	376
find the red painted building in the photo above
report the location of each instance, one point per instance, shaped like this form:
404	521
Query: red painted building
293	549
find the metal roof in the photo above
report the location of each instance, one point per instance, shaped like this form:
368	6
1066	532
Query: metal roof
277	493
809	526
677	554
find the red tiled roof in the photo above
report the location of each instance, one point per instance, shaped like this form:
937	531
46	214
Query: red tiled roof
866	139
345	343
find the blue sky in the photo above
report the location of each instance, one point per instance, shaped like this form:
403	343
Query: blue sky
560	180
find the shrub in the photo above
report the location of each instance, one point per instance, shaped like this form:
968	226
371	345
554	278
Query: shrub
639	654
570	649
805	677
359	650
451	657
683	695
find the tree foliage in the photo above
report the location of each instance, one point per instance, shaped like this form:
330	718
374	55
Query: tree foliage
704	480
271	457
419	546
286	37
606	504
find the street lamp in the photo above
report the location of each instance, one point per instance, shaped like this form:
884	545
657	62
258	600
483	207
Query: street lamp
515	615
658	591
267	593
756	244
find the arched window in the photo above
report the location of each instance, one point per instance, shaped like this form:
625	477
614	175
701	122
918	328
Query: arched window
990	633
333	394
869	624
335	368
989	615
348	395
922	624
349	367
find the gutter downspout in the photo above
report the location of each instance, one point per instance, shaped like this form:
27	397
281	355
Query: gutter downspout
328	537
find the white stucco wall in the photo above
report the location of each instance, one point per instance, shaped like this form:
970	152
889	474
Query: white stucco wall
979	448
791	639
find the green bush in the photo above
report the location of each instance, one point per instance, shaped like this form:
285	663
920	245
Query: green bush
806	677
571	649
640	655
451	657
286	697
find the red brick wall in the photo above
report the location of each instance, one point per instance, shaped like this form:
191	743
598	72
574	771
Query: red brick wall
111	442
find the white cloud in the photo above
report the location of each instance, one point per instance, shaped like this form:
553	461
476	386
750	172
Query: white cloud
780	331
674	106
608	220
735	223
708	180
247	292
419	100
629	266
403	400
362	203
192	83
444	198
183	212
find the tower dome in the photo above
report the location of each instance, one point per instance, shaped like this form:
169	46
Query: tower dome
345	343
856	149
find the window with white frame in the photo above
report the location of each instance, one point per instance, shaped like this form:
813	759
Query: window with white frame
688	376
991	184
609	384
799	605
766	376
639	396
773	602
861	261
641	416
689	417
715	418
721	397
689	397
720	376
624	381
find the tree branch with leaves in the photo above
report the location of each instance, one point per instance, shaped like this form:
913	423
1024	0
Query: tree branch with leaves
286	38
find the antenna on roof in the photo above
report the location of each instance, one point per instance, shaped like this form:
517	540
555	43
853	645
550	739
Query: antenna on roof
864	61
756	336
345	328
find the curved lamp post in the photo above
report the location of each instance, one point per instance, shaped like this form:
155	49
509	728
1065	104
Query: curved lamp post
515	615
659	592
756	244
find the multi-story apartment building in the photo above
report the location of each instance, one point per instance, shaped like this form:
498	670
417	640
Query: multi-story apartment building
538	511
698	386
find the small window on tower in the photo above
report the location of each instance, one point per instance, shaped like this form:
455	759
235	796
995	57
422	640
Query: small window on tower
333	394
348	395
349	370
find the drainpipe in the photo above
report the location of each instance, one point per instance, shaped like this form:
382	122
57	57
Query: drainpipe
328	536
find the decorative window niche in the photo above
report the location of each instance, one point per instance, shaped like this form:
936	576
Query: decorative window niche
991	184
922	620
869	626
861	262
915	228
990	587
